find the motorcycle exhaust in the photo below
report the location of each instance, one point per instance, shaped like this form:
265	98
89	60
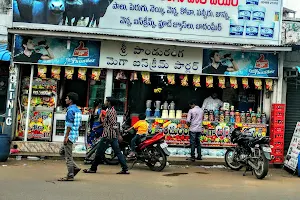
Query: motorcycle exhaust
253	165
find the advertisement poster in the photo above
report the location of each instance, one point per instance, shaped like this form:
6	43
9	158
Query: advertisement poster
242	64
291	160
53	51
40	126
149	57
235	21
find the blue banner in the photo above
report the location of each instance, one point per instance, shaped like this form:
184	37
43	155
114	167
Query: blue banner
52	51
243	64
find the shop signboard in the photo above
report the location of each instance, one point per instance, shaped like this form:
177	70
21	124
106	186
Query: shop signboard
53	51
290	32
291	160
241	64
149	57
222	21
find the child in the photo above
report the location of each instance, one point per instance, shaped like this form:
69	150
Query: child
142	129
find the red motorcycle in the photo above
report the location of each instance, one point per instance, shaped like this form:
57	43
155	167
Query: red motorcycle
151	150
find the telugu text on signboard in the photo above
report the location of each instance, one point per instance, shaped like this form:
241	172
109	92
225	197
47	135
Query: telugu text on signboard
225	21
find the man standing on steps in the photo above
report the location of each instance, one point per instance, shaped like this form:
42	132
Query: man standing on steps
110	136
194	119
72	124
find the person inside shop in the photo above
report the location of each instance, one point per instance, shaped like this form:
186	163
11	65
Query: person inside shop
111	136
30	54
72	124
212	102
141	128
97	119
194	120
217	67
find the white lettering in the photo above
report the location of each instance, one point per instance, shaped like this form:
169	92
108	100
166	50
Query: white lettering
8	121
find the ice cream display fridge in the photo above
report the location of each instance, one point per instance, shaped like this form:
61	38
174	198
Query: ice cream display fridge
59	127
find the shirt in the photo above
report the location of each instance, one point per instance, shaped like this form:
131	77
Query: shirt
211	70
195	117
141	126
110	124
34	58
73	120
211	104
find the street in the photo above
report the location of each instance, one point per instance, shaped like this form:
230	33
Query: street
29	180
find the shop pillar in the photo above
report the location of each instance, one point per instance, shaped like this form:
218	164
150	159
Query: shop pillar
109	83
11	105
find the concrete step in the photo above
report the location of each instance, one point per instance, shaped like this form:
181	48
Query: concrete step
171	160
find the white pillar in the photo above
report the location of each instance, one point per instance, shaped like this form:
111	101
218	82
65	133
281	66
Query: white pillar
109	83
28	105
279	93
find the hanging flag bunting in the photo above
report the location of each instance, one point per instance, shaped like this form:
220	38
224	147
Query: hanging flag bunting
69	71
55	72
171	79
258	84
233	82
209	82
184	80
82	73
269	84
196	81
146	77
96	74
133	76
42	70
245	83
222	82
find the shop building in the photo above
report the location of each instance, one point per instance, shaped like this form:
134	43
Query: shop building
148	71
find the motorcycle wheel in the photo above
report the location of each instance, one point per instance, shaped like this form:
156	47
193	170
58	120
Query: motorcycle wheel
234	165
263	170
159	157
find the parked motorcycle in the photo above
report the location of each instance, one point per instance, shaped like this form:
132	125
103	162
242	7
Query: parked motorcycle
252	152
151	150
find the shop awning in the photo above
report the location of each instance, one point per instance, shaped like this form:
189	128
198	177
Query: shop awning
4	53
65	33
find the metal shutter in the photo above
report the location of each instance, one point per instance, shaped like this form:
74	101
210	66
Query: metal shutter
292	109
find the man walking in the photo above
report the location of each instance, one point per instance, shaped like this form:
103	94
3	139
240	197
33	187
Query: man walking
194	119
110	136
72	124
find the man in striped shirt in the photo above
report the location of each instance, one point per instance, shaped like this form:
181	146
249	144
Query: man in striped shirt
110	136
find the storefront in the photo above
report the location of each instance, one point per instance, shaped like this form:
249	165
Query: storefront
156	62
158	80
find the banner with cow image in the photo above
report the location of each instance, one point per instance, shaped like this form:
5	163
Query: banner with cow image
235	21
53	51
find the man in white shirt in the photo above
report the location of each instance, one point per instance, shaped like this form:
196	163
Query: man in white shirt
212	103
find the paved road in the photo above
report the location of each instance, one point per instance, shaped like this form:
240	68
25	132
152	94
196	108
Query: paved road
25	180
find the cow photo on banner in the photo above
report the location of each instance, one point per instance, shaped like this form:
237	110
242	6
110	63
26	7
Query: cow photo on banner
234	21
53	51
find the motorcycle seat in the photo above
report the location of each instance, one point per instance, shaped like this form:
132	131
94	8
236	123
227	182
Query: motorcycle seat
146	137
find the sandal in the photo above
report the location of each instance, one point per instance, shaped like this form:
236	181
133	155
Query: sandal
89	171
66	179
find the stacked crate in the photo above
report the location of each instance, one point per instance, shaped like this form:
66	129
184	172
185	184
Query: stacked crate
277	124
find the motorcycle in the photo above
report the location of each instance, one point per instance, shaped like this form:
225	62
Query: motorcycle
151	150
252	152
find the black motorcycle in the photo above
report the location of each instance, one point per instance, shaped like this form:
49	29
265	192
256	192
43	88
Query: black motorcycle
252	152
